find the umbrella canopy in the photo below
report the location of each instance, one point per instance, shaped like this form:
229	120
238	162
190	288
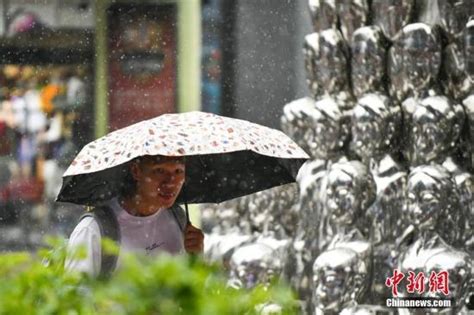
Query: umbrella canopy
225	158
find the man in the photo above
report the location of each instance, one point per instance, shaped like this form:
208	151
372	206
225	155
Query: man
148	222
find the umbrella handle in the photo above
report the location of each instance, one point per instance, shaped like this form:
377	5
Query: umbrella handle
188	221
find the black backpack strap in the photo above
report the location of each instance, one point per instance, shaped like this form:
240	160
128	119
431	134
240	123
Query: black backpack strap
109	228
180	216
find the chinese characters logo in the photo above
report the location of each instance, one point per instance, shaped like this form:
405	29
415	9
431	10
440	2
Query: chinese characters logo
437	282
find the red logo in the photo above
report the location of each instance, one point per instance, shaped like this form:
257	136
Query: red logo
394	281
438	282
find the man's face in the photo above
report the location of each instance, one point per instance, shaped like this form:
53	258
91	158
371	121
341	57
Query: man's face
160	181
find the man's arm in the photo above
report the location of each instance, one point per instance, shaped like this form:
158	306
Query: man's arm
85	236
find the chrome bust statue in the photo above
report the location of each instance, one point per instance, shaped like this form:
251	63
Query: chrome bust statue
369	57
340	280
348	192
392	15
458	264
433	206
436	123
323	14
304	120
352	15
254	264
452	16
375	128
414	62
331	64
310	51
459	64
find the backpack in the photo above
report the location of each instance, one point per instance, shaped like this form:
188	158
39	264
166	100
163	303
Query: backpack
109	228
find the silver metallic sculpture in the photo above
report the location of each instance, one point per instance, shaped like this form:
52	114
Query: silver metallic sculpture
436	129
408	109
459	64
415	61
340	280
468	103
254	264
458	265
438	219
375	127
431	258
437	124
310	51
452	16
331	64
433	205
324	126
368	61
392	15
348	192
323	14
352	15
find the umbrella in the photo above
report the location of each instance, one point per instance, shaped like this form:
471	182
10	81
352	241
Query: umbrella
225	158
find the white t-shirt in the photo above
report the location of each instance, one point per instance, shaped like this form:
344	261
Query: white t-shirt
149	235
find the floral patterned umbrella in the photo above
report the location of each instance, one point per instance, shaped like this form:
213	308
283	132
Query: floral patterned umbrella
226	158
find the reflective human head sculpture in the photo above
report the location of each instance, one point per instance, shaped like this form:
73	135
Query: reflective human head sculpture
458	266
285	211
418	52
459	64
350	190
295	121
254	264
331	129
271	211
310	51
375	123
469	50
352	15
436	127
309	181
392	15
323	14
468	103
339	278
452	15
368	60
433	202
320	128
332	62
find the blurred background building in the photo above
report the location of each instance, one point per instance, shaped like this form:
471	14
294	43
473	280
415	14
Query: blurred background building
73	70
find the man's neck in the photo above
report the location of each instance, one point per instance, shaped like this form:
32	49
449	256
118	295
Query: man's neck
138	206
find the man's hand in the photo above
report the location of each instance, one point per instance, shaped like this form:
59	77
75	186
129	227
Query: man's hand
193	240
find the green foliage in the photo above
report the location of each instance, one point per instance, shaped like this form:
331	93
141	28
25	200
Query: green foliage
38	284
